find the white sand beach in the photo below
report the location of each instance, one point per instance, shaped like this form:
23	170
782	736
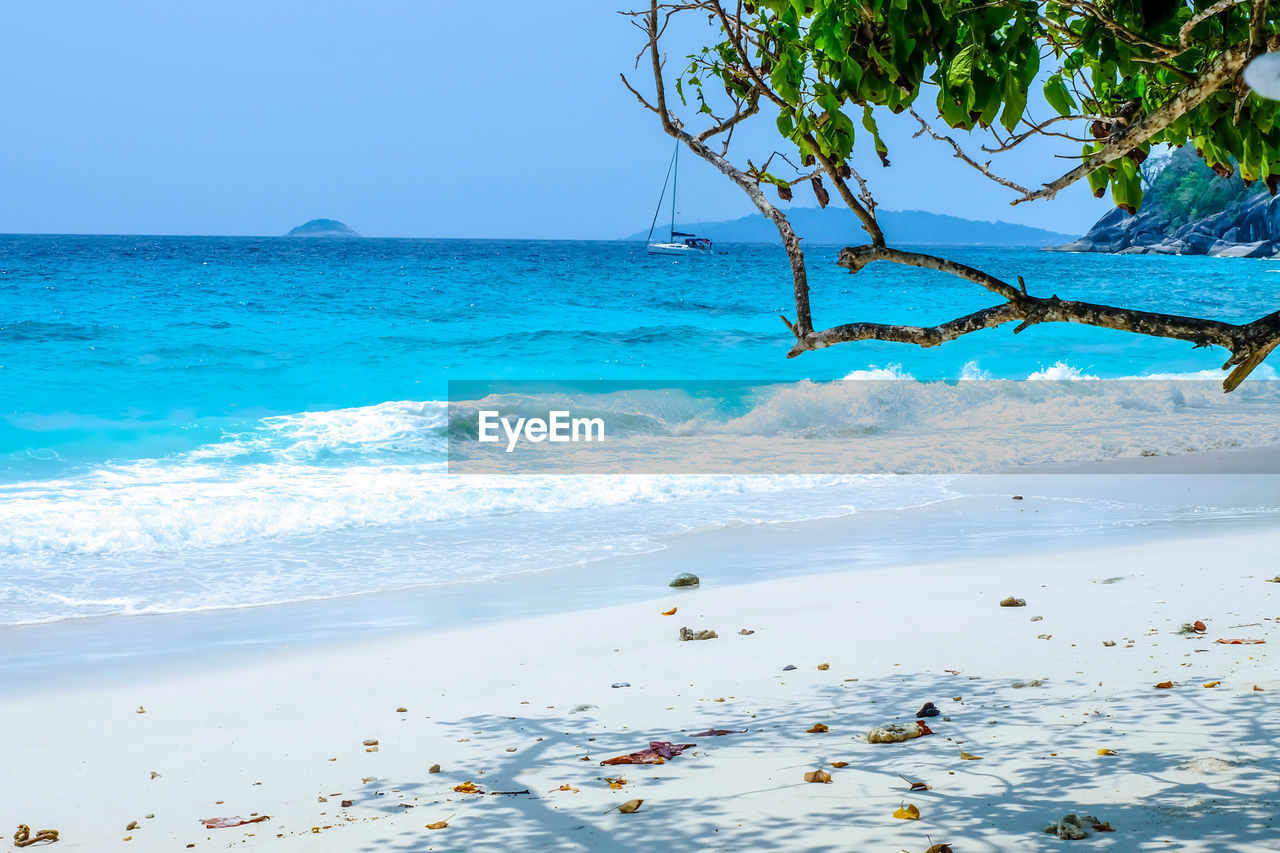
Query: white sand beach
1036	692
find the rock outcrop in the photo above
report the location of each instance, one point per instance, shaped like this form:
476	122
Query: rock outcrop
1247	229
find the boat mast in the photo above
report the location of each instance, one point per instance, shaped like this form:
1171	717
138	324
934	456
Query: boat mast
675	177
663	195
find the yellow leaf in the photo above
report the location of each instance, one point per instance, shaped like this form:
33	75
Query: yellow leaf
839	764
467	788
630	806
1106	752
616	784
567	787
440	824
1103	827
824	666
818	728
1212	683
907	812
965	756
671	612
817	776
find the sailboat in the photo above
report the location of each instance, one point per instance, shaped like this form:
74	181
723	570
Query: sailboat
680	243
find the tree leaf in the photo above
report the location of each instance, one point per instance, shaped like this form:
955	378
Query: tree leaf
907	812
630	806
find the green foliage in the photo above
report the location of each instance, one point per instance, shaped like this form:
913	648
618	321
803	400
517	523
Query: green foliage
1107	64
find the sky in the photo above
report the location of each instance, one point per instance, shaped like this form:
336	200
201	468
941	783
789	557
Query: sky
401	118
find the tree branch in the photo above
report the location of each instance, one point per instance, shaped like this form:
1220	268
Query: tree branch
791	242
1220	72
1248	343
960	155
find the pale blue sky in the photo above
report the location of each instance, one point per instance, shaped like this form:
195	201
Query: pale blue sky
412	118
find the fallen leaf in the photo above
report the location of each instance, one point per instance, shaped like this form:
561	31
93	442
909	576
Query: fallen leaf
1257	688
567	787
817	776
1105	826
616	784
440	824
1164	685
671	612
1013	602
630	806
719	732
467	788
1108	643
940	848
1106	752
657	752
824	666
225	822
920	786
1240	642
818	728
928	710
965	756
907	812
1199	627
1212	683
839	764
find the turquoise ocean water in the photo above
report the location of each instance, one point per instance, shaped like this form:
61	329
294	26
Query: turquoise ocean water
191	423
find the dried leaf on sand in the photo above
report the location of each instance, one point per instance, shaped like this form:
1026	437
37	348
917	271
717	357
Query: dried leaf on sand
907	812
658	751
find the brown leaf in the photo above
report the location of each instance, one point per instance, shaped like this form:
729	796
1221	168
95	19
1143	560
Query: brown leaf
1199	627
820	191
567	787
1105	826
440	824
671	612
839	764
657	753
920	786
630	806
784	192
817	776
965	756
907	812
818	728
940	848
1164	685
1257	688
1240	642
824	666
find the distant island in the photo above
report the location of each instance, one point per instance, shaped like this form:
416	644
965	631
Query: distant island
322	228
1190	210
841	227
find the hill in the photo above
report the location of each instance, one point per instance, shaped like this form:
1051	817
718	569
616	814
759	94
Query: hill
840	226
322	228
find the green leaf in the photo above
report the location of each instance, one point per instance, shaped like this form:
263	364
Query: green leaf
1055	92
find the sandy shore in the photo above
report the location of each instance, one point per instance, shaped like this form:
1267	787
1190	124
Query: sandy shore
529	705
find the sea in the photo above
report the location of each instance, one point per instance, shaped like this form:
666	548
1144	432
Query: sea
212	424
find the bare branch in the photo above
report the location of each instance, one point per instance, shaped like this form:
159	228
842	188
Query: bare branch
960	155
1248	343
790	241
